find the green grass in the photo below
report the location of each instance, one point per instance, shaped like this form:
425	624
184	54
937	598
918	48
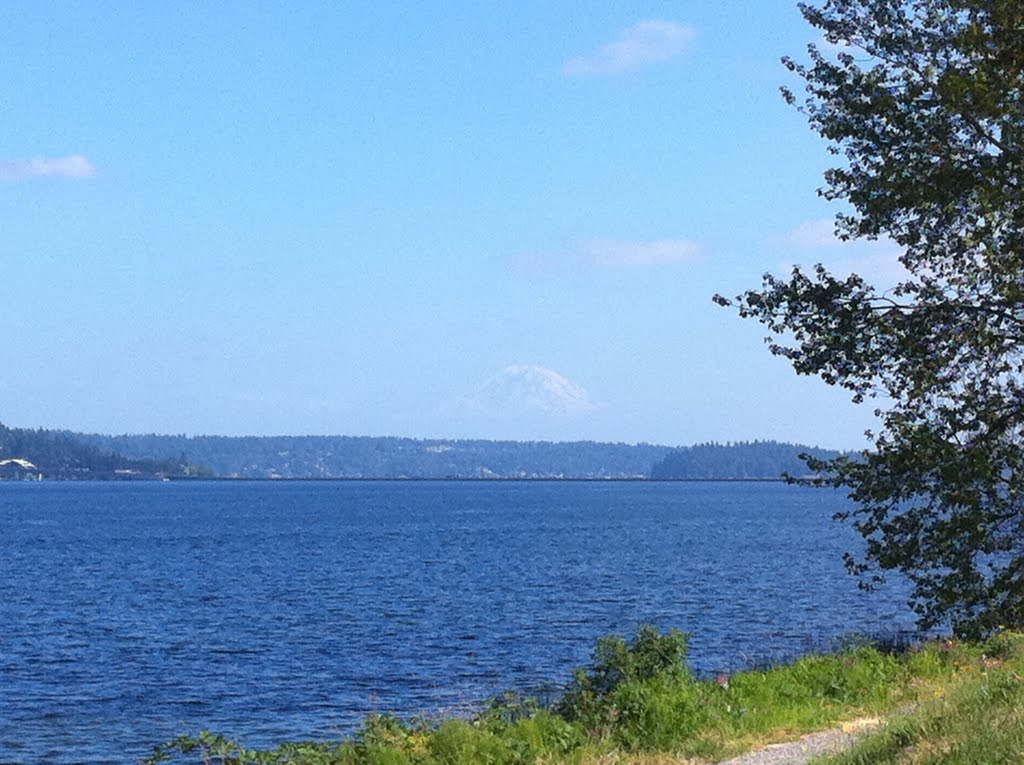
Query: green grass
975	718
639	704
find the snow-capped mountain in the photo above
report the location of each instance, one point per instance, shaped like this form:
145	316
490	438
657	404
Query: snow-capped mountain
523	389
523	402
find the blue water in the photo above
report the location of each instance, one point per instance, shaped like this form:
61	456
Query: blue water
134	612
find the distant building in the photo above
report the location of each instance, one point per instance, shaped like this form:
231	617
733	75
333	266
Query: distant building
18	469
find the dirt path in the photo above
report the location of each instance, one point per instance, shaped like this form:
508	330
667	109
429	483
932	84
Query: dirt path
799	752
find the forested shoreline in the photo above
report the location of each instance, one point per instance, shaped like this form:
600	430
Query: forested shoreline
364	457
65	455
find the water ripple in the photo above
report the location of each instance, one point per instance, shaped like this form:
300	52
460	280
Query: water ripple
282	611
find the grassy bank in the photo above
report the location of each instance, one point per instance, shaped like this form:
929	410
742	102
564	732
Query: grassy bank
974	716
639	704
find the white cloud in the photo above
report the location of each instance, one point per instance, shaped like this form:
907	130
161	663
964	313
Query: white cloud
877	260
647	42
842	46
813	234
612	253
653	252
72	166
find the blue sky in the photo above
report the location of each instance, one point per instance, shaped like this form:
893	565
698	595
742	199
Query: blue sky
242	218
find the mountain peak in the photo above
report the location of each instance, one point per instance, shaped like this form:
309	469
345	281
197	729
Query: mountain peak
529	389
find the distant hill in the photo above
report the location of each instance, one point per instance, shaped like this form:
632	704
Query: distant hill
390	457
27	453
750	459
62	455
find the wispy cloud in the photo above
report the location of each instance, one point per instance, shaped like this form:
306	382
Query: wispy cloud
612	253
653	252
73	166
813	234
647	42
828	47
877	260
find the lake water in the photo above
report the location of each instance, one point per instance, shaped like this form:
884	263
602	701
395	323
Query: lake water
272	611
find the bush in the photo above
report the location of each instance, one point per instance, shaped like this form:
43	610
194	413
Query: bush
457	742
544	733
657	714
614	687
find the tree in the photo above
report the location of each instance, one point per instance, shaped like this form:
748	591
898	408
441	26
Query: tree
923	104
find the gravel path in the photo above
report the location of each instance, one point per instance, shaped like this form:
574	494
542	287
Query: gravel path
799	752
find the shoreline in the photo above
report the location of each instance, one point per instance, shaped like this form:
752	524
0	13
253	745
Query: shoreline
394	479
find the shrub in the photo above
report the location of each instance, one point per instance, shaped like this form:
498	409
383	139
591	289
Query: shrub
613	689
655	714
457	742
544	733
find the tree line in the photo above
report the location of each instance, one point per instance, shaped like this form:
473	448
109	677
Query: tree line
392	457
61	455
